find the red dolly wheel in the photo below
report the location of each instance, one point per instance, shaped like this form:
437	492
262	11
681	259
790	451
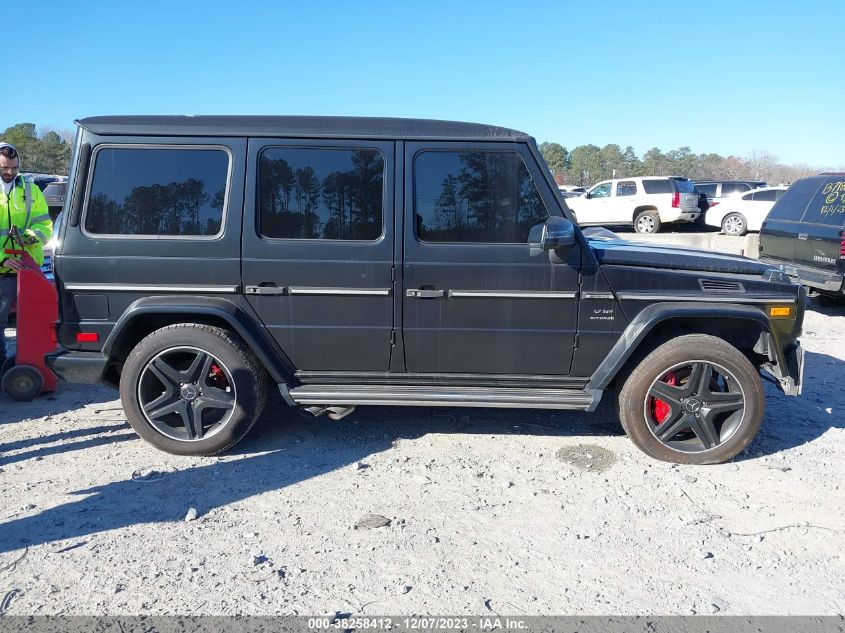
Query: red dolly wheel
22	382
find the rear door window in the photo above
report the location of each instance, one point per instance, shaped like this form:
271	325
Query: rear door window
708	189
626	188
321	193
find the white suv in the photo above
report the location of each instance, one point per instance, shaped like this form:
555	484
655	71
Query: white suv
644	202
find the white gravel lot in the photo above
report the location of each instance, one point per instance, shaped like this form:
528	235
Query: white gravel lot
490	512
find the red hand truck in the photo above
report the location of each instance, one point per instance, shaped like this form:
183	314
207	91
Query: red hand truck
25	375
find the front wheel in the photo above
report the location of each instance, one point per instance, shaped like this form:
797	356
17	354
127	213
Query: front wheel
192	389
694	400
647	222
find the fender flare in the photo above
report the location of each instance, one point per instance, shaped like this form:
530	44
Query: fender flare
653	315
266	350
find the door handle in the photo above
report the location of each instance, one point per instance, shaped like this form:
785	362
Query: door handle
424	293
265	289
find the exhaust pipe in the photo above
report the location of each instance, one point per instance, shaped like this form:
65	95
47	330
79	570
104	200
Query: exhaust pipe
335	412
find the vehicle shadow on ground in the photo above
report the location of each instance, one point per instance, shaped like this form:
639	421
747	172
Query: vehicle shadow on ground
66	398
83	438
807	417
292	449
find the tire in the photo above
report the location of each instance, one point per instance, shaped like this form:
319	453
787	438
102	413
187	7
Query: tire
734	224
704	423
192	389
647	222
22	382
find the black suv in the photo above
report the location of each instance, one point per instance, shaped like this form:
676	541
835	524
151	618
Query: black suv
805	233
353	261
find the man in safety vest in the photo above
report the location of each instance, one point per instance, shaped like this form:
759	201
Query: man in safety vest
22	207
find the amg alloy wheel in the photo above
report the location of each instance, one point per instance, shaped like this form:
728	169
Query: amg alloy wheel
694	400
192	389
186	394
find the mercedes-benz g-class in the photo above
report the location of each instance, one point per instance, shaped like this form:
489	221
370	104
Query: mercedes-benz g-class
353	261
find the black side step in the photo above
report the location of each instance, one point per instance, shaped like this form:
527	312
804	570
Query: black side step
398	395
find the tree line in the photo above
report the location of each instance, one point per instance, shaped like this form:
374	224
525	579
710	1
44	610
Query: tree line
42	151
177	208
586	165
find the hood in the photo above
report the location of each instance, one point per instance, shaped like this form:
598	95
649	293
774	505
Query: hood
624	253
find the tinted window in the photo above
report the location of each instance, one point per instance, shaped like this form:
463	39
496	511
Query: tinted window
160	191
707	189
683	185
321	193
658	186
766	196
793	203
734	187
626	188
475	197
827	206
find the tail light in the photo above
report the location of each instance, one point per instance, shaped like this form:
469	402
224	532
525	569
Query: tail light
841	244
713	204
676	200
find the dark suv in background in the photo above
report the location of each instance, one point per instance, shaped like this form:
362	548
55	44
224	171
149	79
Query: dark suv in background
354	261
53	187
805	233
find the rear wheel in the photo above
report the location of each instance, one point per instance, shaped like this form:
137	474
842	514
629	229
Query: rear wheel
192	389
734	224
694	400
647	222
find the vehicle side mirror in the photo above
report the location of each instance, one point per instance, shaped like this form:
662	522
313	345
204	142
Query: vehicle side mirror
587	194
557	233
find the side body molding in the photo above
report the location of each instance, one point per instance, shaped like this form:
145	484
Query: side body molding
246	326
654	314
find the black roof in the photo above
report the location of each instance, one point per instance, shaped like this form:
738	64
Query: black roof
297	126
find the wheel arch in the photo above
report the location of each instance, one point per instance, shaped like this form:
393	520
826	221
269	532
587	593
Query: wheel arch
148	314
644	207
744	327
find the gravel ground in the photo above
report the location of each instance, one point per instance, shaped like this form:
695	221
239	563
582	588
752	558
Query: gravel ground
472	512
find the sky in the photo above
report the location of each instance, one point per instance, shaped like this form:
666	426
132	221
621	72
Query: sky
725	77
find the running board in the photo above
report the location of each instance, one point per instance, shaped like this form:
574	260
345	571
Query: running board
398	395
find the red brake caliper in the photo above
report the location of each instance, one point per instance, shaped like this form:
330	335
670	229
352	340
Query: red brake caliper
216	374
659	409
